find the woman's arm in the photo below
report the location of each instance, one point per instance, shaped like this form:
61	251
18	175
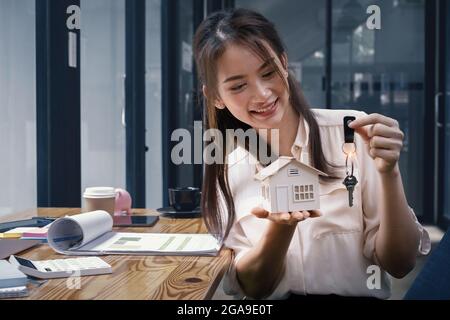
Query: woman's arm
260	269
397	238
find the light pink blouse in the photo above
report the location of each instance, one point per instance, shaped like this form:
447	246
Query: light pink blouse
332	254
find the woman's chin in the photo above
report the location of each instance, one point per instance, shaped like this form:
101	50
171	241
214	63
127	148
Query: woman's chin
274	122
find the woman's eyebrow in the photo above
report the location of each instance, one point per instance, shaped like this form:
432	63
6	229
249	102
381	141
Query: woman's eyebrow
237	77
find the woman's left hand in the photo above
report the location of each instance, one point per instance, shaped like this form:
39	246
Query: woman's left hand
384	139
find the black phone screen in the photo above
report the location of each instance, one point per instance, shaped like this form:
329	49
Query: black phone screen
134	221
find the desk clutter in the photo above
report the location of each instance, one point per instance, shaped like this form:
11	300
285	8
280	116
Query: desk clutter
92	233
91	229
13	273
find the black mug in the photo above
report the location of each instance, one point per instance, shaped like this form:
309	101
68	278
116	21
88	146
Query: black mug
184	199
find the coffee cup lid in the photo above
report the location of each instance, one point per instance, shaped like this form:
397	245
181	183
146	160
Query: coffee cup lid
99	192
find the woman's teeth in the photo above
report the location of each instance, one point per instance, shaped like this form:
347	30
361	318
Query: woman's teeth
266	109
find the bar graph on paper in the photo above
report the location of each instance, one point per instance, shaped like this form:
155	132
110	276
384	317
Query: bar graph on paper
160	242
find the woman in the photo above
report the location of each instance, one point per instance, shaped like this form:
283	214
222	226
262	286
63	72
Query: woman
243	68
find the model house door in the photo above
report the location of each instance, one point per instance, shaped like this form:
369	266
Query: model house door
282	199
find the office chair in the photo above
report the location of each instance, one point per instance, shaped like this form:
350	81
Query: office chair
433	281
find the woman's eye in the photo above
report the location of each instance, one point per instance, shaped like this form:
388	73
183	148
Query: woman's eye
268	74
238	87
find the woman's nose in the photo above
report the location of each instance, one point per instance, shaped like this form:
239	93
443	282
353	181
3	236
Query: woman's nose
261	92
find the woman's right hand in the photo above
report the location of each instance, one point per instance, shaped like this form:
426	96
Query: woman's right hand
285	217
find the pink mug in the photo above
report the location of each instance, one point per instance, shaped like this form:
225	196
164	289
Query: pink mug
123	202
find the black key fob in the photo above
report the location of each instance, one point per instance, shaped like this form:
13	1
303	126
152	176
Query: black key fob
349	133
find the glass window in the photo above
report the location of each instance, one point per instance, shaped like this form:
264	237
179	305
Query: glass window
296	193
383	71
302	193
102	93
185	95
153	136
447	124
17	106
301	25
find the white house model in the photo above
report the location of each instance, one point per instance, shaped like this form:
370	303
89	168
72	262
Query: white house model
288	185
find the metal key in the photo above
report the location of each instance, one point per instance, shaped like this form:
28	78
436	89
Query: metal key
350	182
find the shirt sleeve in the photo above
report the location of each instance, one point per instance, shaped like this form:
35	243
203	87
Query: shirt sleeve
238	242
371	184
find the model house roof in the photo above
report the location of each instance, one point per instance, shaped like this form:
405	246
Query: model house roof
280	163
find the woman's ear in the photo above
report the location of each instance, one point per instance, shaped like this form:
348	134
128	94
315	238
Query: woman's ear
218	103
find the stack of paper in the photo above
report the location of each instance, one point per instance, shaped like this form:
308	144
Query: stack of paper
26	233
10	235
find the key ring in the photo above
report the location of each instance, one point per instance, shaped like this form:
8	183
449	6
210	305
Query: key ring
346	166
347	152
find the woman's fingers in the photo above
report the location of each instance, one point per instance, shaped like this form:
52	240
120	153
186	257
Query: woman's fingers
373	119
315	213
385	143
382	130
385	154
285	217
260	212
298	215
384	139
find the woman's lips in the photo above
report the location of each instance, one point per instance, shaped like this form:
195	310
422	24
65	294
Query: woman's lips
269	110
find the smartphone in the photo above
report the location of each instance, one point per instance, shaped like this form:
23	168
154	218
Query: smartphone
134	221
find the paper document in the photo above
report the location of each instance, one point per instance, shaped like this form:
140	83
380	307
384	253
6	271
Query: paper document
91	234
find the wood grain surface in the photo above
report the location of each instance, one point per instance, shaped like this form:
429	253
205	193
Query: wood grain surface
134	277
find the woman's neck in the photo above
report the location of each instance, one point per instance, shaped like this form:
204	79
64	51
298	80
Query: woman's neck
287	133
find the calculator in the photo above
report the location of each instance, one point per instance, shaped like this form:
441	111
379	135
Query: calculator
61	268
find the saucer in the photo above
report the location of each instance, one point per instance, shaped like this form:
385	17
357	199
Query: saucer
170	212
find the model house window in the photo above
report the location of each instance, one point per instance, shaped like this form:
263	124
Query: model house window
293	172
303	193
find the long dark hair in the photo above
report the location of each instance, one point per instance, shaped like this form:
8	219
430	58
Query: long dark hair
252	30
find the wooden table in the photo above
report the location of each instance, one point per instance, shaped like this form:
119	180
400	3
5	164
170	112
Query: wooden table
136	277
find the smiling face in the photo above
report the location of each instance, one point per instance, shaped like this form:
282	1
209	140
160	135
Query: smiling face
252	89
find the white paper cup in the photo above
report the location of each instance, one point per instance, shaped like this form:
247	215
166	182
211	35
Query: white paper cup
100	198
